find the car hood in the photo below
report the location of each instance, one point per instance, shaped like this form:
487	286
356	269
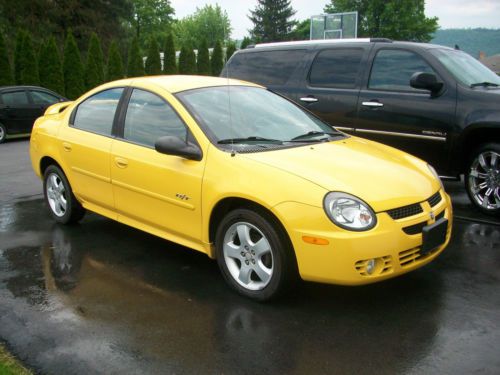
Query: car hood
382	176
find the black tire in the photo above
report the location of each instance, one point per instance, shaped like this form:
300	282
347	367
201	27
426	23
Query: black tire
65	213
279	258
483	168
3	133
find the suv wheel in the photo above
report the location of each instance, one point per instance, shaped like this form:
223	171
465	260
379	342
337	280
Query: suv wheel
482	178
3	133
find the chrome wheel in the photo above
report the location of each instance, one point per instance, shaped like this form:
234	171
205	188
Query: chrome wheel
484	180
248	256
56	195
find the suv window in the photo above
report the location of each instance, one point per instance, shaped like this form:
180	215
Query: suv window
392	70
149	117
96	114
337	68
265	67
15	98
41	97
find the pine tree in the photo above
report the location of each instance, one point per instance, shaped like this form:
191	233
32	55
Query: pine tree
153	61
29	71
135	64
6	77
203	61
51	73
216	60
115	63
187	61
245	42
94	69
230	50
18	56
272	20
74	82
169	65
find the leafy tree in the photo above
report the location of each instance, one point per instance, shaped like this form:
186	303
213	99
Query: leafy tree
216	60
272	20
169	64
230	50
203	61
29	71
94	69
51	72
395	19
153	61
187	61
135	65
245	42
151	18
74	80
6	77
114	70
18	56
302	31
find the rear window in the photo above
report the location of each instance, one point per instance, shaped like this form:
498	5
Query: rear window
337	68
264	67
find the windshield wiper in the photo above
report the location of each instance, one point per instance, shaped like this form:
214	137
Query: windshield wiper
305	137
485	84
248	139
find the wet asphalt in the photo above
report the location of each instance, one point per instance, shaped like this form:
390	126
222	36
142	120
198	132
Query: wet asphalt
101	297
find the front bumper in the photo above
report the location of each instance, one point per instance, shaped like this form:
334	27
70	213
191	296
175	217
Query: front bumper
344	259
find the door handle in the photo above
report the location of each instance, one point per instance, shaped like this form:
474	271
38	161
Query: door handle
121	162
67	147
372	104
309	99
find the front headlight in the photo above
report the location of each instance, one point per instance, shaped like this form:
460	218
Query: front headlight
349	212
433	171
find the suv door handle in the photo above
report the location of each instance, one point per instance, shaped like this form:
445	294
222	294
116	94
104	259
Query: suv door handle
121	162
309	99
373	103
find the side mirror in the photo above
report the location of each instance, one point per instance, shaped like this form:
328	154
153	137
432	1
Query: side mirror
426	81
170	145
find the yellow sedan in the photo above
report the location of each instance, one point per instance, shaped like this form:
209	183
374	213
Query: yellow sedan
251	179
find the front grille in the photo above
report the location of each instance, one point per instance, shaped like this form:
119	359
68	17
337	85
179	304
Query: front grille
406	211
408	257
435	199
415	229
440	215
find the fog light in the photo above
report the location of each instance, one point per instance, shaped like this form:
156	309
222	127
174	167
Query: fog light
370	266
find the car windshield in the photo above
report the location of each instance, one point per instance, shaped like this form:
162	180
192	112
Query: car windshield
465	68
246	115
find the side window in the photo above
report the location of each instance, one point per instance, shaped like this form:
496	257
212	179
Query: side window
265	67
336	68
149	117
392	70
96	114
40	97
15	98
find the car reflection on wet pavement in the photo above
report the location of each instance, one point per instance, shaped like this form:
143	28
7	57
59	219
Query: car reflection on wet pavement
100	297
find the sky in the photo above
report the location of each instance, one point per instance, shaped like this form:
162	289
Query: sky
451	13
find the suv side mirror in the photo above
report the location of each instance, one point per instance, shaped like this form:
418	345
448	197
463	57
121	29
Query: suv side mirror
170	145
426	81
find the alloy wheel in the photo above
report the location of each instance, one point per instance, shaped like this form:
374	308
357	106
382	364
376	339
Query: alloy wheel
56	195
484	180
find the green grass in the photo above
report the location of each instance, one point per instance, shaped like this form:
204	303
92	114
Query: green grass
9	365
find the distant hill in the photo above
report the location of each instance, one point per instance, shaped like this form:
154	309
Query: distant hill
470	40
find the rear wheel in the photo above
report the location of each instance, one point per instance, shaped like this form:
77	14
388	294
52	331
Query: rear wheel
482	179
3	133
63	205
254	255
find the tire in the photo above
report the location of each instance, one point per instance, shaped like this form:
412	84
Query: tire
59	197
482	179
3	133
254	254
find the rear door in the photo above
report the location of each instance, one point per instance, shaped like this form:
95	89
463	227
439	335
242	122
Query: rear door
392	112
17	111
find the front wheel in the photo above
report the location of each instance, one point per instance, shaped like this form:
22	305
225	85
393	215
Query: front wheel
254	254
3	133
482	179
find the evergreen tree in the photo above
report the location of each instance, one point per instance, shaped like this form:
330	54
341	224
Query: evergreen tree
230	50
245	42
135	65
203	61
6	77
51	73
187	61
169	65
272	20
115	63
94	69
29	71
18	56
216	60
73	71
153	61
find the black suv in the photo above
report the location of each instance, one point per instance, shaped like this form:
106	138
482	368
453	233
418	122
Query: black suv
20	106
431	101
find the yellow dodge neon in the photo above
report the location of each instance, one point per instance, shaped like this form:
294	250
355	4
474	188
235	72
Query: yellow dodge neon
235	171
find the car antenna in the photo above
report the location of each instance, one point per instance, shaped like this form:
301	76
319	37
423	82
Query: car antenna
233	153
